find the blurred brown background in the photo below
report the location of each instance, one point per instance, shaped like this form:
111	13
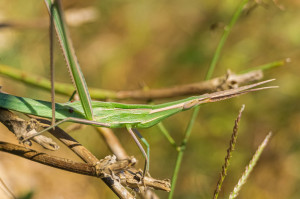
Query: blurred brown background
123	45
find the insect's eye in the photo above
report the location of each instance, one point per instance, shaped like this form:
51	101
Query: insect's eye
71	110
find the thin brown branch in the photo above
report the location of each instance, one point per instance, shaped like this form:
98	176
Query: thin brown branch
107	169
112	142
107	134
43	158
70	142
230	80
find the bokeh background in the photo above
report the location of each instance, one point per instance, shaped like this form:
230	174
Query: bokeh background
123	45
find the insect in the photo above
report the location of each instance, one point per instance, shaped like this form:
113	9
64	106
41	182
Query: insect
105	114
118	115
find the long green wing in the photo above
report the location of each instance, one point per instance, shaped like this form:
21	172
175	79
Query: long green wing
70	57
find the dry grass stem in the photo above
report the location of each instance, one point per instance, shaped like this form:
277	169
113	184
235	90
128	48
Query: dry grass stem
250	167
228	155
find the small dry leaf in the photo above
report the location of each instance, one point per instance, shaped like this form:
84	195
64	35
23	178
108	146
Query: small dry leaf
23	129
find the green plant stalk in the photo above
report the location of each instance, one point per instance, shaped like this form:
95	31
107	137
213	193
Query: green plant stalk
250	167
165	132
268	65
224	38
181	150
175	173
44	83
208	76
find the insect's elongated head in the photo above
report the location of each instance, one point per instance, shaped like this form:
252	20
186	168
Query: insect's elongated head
222	95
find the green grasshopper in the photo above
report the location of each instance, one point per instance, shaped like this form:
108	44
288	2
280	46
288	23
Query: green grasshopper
118	115
105	114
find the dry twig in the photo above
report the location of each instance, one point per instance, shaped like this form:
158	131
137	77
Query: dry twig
229	80
116	174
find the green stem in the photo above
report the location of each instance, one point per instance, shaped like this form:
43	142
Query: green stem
224	38
268	65
44	83
176	171
165	132
182	149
